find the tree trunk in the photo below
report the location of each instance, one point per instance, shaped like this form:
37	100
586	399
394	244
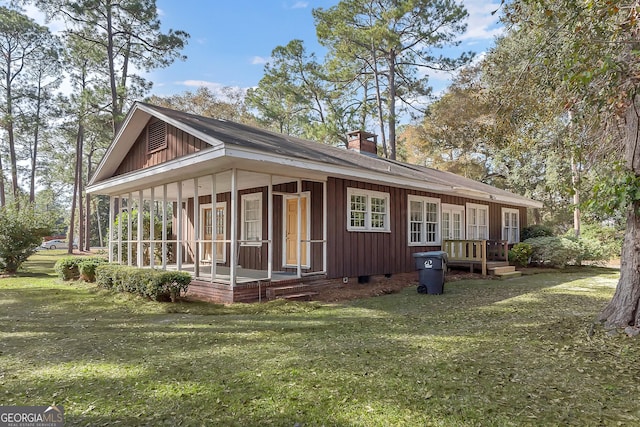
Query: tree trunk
622	310
3	200
36	137
76	185
392	106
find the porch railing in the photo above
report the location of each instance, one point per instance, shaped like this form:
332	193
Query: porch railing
476	251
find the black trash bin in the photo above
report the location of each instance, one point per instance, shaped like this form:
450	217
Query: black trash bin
431	269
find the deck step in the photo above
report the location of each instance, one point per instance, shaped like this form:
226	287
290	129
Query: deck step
509	274
497	271
303	296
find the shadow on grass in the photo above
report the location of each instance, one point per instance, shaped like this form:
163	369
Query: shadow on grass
478	354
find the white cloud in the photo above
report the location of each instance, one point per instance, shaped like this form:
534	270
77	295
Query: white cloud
259	60
481	24
300	5
201	83
218	89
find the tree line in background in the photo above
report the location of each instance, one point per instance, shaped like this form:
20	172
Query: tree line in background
550	112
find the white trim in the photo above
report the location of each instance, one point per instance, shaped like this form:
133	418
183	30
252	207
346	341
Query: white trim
477	207
516	228
307	232
243	232
423	232
351	191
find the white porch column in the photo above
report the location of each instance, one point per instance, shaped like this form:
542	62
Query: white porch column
299	229
152	231
129	229
214	228
270	228
140	234
234	226
164	227
120	207
196	228
179	230
111	230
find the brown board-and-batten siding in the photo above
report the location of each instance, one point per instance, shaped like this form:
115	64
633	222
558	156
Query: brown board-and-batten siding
178	144
366	253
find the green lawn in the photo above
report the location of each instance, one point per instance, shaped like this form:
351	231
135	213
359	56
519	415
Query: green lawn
517	352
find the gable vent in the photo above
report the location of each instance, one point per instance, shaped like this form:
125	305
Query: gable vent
156	136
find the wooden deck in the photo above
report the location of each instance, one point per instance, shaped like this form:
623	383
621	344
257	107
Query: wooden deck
484	254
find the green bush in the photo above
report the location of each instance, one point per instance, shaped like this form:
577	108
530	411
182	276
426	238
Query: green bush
67	268
554	251
520	254
22	228
609	238
536	230
75	267
87	268
155	284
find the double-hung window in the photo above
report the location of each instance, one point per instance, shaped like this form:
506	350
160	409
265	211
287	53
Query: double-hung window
251	232
510	225
367	210
424	221
477	221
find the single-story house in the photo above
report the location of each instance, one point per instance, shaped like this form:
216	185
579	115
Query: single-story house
243	208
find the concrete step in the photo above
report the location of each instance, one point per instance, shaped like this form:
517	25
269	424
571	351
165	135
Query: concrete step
509	274
501	270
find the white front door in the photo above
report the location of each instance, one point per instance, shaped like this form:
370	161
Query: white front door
291	238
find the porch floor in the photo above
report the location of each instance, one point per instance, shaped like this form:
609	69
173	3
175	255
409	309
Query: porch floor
243	275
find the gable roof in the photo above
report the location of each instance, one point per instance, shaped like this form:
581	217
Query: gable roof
237	137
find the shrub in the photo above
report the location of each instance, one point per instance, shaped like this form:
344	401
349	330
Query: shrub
520	254
71	268
609	238
67	268
554	251
536	230
155	284
87	268
22	228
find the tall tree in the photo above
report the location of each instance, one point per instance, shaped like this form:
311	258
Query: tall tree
21	49
299	98
588	51
228	104
129	32
394	39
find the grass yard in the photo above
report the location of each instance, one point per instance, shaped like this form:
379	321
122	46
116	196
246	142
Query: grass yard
517	352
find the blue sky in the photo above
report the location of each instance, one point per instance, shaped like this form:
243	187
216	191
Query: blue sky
231	40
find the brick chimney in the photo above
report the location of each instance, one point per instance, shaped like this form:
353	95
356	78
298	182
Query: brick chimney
362	142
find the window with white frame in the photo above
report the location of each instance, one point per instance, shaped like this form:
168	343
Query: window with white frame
424	221
367	210
477	221
251	232
511	225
